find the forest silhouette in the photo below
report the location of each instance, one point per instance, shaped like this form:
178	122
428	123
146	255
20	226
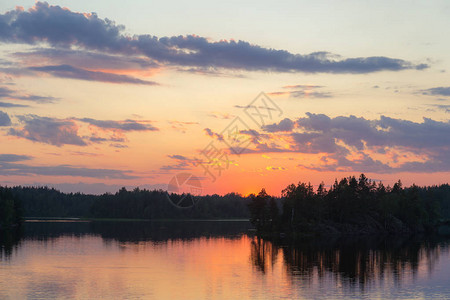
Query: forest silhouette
351	205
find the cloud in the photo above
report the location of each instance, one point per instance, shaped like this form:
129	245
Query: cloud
302	94
7	93
302	91
62	28
8	158
97	139
182	163
180	125
9	166
284	125
302	86
443	107
4	119
117	145
212	134
321	130
68	71
59	132
52	131
438	91
6	105
126	125
350	143
179	157
220	115
85	59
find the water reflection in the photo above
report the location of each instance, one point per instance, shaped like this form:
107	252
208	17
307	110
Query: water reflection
219	260
9	240
351	261
136	231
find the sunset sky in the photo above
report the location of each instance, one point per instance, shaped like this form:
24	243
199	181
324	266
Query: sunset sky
96	95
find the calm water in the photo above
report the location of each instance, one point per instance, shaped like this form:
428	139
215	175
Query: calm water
212	260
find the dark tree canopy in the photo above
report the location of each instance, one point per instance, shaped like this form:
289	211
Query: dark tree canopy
352	205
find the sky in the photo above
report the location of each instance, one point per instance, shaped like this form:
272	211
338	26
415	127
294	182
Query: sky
222	97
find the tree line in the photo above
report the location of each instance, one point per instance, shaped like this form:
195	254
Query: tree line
10	209
351	205
45	202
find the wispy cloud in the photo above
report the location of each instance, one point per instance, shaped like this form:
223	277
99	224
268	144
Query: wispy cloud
10	94
181	126
181	163
302	91
438	91
9	166
84	59
7	104
68	71
8	158
126	125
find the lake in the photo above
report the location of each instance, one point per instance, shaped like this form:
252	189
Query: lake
212	260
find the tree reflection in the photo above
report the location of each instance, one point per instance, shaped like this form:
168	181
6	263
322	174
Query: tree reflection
349	260
9	240
262	253
136	231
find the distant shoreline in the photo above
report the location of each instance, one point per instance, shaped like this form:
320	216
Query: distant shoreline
75	219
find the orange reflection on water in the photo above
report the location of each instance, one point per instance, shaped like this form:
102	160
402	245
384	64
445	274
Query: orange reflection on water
110	265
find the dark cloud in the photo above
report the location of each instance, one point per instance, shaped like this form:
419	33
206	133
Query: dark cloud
8	158
126	125
213	134
85	59
360	132
179	157
61	132
9	166
349	143
438	91
6	104
117	145
7	93
251	132
181	163
18	169
4	119
97	139
62	28
302	86
52	131
68	71
284	125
